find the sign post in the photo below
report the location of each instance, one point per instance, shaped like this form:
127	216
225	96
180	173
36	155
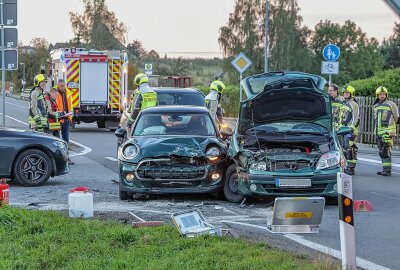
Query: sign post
331	54
346	221
241	63
9	41
148	69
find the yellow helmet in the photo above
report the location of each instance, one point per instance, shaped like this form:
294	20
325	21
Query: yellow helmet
350	89
38	79
141	78
382	89
217	86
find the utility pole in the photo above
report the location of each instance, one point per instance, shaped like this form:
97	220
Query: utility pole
266	35
23	77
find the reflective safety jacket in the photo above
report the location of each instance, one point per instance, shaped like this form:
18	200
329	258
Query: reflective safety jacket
211	102
37	108
52	113
144	97
337	104
386	115
350	115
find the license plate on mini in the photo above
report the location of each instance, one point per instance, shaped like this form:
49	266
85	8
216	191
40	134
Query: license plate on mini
292	182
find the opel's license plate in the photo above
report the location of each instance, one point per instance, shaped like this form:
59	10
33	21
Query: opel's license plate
292	182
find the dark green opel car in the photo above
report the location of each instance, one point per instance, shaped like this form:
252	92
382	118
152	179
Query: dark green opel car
284	143
173	149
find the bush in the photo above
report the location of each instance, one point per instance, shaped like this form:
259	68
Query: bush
387	78
230	99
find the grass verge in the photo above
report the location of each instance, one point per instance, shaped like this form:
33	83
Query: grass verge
49	240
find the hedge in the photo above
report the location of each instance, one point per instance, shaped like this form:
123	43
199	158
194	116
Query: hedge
387	78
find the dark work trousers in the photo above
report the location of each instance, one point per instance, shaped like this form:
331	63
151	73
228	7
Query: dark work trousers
65	130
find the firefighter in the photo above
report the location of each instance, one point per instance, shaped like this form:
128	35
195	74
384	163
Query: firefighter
386	115
213	99
37	105
143	97
53	113
350	117
337	103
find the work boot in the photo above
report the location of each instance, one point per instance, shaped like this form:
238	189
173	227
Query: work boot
349	171
70	162
384	173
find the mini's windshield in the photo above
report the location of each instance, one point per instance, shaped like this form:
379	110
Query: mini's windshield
289	127
198	124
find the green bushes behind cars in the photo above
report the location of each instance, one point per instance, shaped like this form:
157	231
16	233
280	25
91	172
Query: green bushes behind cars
388	78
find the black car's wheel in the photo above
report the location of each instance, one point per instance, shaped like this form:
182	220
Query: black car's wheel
231	189
32	168
123	195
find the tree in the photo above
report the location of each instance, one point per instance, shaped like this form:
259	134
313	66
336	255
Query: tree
391	49
153	54
179	67
98	26
245	31
136	49
360	56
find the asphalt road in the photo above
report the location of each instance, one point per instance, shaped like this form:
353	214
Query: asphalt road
377	232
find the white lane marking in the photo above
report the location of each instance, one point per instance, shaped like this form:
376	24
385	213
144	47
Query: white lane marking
332	252
377	161
86	149
111	158
23	107
16	120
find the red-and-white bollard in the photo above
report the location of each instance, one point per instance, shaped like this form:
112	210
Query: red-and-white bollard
4	193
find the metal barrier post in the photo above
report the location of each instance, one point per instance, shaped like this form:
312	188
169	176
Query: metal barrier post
346	222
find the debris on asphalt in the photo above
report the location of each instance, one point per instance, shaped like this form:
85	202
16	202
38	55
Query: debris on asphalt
115	181
192	224
144	223
242	203
218	207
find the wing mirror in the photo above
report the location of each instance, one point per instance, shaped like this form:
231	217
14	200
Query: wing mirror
343	131
120	133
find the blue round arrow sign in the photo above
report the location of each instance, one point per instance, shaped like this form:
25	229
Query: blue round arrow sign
331	52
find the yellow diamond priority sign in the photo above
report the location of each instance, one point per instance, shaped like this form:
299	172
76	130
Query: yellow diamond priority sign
241	62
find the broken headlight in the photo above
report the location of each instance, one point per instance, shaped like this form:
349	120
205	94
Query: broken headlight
130	151
258	166
213	154
328	160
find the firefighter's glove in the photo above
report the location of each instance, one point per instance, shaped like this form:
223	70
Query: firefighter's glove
386	138
129	124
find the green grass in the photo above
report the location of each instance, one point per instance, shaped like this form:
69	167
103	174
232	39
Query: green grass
49	240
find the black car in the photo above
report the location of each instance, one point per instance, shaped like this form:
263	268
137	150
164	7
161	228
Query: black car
171	96
31	158
172	149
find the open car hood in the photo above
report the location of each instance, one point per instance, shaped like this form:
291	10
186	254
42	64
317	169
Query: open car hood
290	99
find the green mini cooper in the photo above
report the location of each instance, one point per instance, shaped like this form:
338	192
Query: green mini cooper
284	143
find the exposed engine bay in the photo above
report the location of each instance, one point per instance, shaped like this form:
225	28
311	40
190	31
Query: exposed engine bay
277	156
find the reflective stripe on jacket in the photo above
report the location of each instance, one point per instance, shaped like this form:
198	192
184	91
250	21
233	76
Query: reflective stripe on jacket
52	111
386	115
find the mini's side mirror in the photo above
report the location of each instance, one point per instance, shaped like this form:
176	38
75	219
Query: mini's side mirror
343	131
120	133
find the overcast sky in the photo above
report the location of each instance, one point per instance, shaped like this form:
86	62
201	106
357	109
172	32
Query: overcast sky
189	25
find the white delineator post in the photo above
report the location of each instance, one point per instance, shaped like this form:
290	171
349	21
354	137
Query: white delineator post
346	221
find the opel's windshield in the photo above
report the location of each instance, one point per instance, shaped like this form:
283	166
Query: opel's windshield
199	124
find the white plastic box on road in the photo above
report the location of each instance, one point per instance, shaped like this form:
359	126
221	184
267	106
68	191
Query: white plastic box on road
80	203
